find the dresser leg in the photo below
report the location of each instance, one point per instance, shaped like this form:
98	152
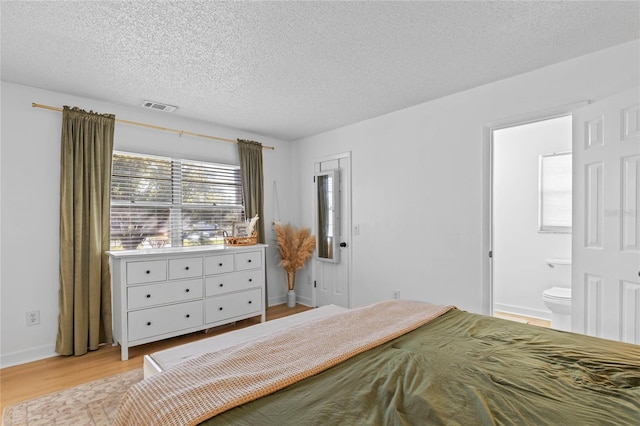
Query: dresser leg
124	352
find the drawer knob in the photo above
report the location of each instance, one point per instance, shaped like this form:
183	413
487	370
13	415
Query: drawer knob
148	271
250	279
249	301
249	261
186	267
221	285
219	264
187	291
149	323
148	296
220	308
188	315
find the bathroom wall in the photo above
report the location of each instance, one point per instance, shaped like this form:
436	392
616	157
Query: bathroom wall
520	271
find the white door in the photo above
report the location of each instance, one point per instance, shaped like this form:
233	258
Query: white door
606	220
332	280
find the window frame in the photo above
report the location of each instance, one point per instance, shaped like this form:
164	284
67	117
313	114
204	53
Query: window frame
542	200
177	207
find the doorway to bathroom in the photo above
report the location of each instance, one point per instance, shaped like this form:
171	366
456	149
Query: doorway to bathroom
531	216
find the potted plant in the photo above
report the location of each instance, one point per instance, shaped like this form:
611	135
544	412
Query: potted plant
296	246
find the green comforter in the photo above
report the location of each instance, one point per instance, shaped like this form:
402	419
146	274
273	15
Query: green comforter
465	369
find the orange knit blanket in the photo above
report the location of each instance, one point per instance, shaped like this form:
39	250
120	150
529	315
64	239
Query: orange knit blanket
210	384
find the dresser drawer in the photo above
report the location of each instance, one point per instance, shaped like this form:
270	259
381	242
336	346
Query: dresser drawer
226	283
164	319
250	260
147	271
232	305
185	268
143	296
218	264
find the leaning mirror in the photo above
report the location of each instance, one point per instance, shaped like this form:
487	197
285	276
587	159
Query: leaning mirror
327	199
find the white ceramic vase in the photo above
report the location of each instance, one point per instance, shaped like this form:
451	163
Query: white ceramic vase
291	299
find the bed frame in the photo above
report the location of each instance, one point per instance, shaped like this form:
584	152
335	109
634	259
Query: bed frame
159	361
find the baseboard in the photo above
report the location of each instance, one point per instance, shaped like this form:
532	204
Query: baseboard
306	301
519	310
29	355
274	301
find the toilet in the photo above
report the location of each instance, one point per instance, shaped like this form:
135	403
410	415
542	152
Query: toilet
557	298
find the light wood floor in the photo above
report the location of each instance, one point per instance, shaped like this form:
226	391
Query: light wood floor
522	319
27	381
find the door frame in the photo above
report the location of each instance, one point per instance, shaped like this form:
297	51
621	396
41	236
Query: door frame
344	219
487	187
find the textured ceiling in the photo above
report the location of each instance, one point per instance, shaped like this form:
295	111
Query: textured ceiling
294	69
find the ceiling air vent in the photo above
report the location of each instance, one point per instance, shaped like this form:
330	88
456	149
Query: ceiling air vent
158	106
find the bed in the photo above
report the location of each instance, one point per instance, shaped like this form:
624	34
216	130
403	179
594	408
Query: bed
416	364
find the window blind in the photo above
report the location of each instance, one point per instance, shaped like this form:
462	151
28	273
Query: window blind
166	202
555	192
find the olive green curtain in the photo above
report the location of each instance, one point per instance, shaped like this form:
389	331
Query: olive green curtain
252	182
84	297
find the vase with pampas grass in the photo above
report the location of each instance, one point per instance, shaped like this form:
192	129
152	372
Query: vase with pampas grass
296	246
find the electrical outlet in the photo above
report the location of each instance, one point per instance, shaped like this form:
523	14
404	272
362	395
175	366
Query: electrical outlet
396	294
33	317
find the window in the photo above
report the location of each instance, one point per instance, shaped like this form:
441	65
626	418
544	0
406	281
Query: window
165	202
555	193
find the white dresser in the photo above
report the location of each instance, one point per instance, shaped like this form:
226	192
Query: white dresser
157	294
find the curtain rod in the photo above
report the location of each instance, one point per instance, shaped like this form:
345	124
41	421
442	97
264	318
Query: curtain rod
151	126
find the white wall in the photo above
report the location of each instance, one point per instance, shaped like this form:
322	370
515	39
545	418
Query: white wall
520	271
30	201
423	168
420	179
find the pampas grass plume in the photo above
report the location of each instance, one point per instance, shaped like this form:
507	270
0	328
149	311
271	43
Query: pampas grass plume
296	246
